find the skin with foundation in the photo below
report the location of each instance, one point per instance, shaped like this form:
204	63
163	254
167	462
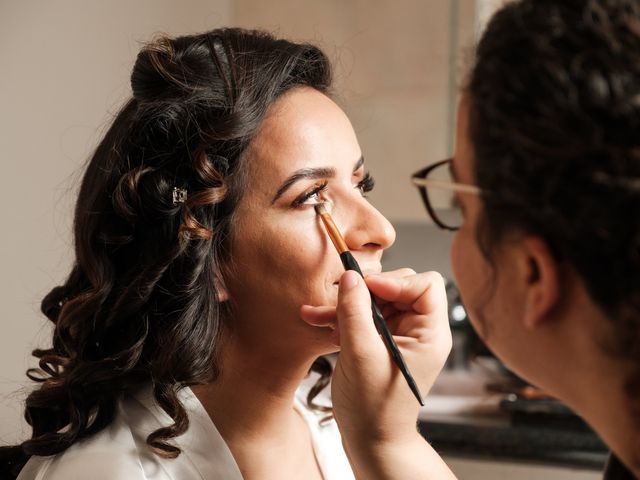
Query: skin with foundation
306	152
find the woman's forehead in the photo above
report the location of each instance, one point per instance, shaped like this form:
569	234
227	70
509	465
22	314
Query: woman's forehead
303	129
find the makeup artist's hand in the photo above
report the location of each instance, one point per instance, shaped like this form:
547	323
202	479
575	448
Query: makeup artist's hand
373	405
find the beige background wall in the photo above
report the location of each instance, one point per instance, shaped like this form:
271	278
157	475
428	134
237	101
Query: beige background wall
65	67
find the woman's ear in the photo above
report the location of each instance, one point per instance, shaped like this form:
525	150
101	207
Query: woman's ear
541	273
221	290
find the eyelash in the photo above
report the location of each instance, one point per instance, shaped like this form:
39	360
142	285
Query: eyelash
365	185
307	195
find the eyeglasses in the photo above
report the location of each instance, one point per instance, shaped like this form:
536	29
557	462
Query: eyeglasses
439	198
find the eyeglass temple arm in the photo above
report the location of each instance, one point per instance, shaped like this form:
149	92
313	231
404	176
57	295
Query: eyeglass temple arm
456	187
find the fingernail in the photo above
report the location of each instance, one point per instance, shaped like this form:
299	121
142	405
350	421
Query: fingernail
349	280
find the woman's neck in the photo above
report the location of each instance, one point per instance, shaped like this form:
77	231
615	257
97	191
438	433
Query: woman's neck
253	398
606	406
591	379
251	405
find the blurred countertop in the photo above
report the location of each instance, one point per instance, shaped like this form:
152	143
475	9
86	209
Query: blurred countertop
461	418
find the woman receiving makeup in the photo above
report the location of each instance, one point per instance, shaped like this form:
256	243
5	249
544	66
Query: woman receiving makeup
179	347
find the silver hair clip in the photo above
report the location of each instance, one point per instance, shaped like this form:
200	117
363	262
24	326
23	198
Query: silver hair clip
179	195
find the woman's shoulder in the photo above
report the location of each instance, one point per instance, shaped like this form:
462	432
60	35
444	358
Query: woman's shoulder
118	451
111	454
94	465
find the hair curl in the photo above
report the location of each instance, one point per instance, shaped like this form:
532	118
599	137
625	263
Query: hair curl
142	285
555	127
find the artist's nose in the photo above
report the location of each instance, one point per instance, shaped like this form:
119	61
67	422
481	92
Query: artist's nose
366	229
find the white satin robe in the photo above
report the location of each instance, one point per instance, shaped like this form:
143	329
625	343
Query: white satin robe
120	451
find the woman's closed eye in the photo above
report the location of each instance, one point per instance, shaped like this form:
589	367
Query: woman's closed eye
310	197
315	194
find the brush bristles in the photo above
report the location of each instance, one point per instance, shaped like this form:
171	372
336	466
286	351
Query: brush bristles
332	230
320	208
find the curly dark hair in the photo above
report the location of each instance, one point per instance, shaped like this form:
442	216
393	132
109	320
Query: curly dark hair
555	127
142	285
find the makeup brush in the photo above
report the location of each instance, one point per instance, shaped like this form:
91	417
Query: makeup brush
350	263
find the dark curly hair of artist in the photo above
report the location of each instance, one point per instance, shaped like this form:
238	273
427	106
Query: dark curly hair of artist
555	127
139	305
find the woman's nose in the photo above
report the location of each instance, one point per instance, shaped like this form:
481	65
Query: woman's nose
366	228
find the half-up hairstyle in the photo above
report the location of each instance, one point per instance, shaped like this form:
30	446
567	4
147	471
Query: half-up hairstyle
143	285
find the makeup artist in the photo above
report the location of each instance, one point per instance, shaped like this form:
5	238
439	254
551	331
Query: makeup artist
546	175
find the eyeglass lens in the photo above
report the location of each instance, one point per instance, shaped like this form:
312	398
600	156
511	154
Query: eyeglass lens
443	200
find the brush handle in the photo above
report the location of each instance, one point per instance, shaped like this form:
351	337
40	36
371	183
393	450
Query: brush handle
350	263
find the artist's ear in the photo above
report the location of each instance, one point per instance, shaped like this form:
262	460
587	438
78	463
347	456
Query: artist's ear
541	274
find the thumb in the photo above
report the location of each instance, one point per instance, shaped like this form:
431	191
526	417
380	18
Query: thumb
355	321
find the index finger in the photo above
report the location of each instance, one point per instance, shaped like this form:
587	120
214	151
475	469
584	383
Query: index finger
422	292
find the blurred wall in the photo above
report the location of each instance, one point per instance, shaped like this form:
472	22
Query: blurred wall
65	68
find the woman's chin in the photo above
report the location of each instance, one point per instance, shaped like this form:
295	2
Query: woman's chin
329	348
325	339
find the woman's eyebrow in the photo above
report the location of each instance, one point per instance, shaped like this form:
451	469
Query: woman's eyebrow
310	173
